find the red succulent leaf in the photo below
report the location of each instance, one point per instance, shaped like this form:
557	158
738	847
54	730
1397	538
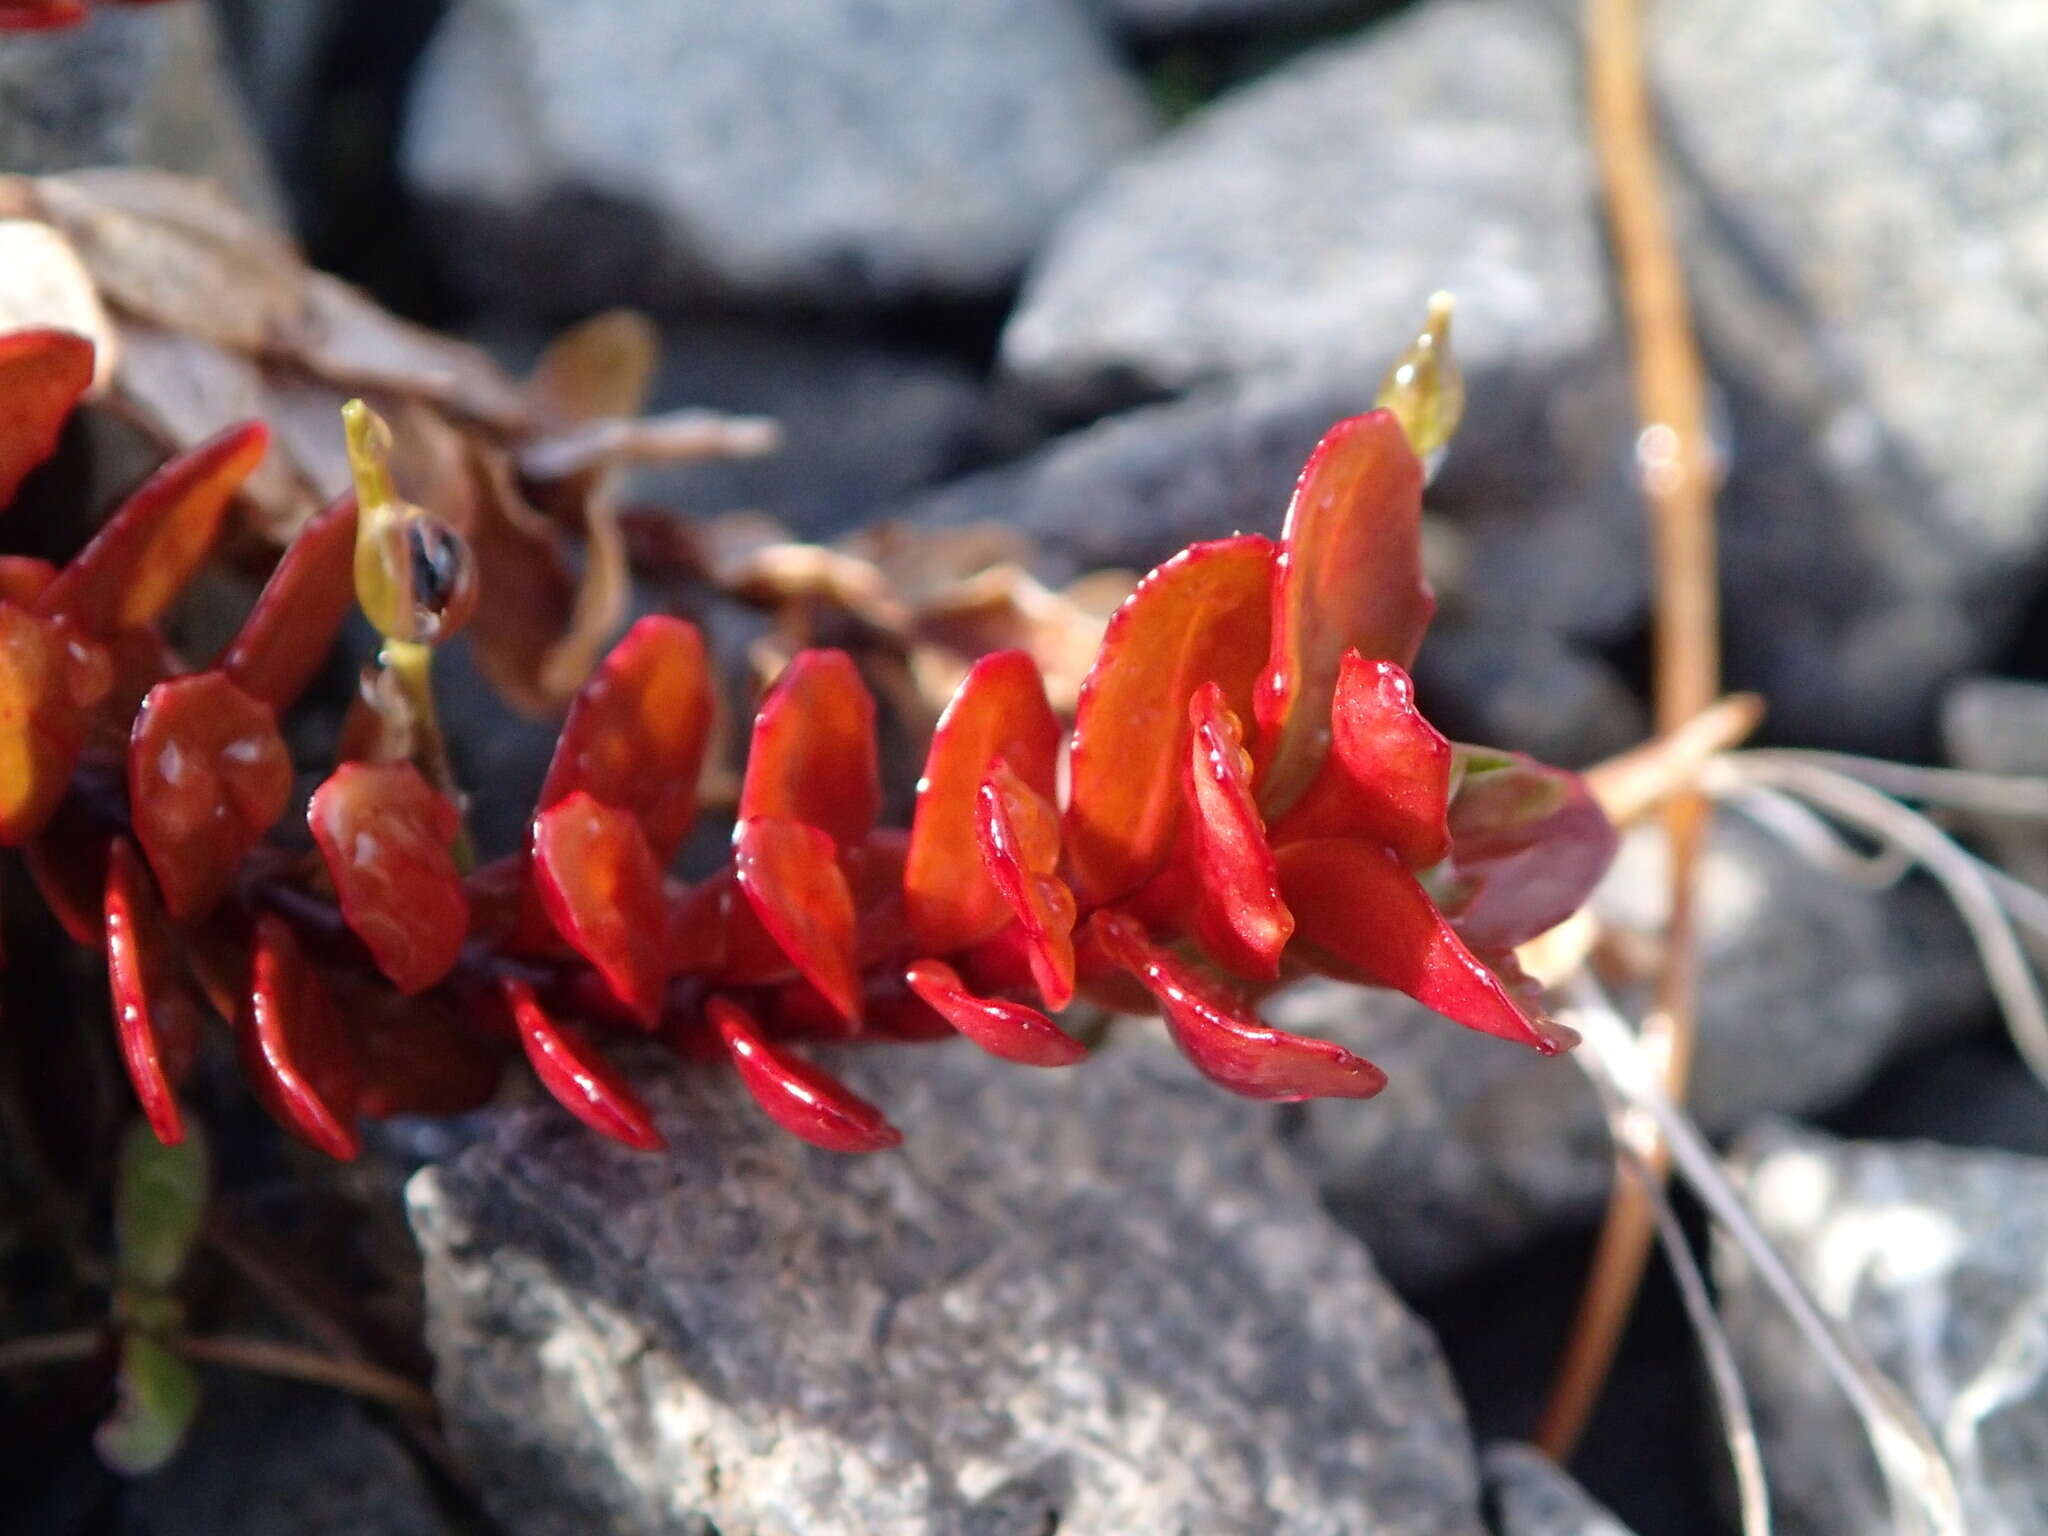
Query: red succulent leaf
576	1073
387	834
419	1056
1348	577
22	579
794	884
208	775
1529	843
1000	710
813	757
40	15
635	734
1226	1042
1240	917
67	861
294	1050
1204	616
602	891
1013	1031
156	1017
151	546
50	675
1019	833
1363	917
43	374
797	1095
286	638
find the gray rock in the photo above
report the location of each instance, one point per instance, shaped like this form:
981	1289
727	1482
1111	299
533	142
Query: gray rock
1101	1299
1870	268
588	152
1935	1260
1526	690
1808	987
1533	1496
2000	725
1171	18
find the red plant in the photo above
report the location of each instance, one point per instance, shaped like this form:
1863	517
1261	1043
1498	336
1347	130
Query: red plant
1250	795
50	15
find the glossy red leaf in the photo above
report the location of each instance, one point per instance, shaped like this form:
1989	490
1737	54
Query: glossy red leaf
43	374
295	1052
602	891
1360	915
50	675
208	775
1014	1031
1224	1040
1000	710
40	15
387	836
156	1017
1348	577
813	756
151	546
793	882
1241	919
1521	875
419	1056
1202	617
67	861
286	638
1019	832
635	734
578	1076
797	1095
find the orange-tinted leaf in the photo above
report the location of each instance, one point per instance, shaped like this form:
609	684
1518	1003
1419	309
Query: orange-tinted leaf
635	735
803	1099
156	1017
1240	917
793	882
208	775
1224	1040
295	1052
602	890
151	546
49	676
1000	710
1019	833
43	374
579	1077
813	754
1349	576
1204	616
387	836
1013	1031
289	632
1362	916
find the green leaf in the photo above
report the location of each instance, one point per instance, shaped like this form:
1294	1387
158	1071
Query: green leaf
159	1394
159	1202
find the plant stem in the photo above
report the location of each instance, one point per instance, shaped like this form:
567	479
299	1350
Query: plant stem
40	1349
294	1362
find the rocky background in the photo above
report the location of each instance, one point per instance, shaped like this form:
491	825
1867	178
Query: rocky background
1104	269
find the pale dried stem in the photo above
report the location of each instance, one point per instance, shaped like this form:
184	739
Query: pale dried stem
1634	783
294	1362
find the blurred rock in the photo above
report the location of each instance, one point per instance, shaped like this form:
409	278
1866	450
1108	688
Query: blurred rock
1526	690
590	152
1101	1300
1869	255
1169	18
1532	1496
1808	986
2000	725
1935	1259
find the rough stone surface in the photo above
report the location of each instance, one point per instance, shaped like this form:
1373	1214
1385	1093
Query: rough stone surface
1101	1299
1170	18
861	150
1870	266
1532	1496
1935	1260
2000	725
1809	985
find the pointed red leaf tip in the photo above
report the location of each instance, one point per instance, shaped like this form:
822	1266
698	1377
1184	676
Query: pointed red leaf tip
999	710
1014	1031
577	1074
43	375
294	1049
602	891
387	837
792	881
1529	842
208	775
151	546
1348	576
1203	616
813	756
156	1018
797	1095
1363	917
1019	833
50	675
635	734
286	638
1240	917
1226	1042
41	15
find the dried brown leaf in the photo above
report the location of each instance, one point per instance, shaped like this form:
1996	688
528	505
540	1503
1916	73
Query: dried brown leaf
43	283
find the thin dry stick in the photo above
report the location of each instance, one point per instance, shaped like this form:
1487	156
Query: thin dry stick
41	1349
1678	482
275	1357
